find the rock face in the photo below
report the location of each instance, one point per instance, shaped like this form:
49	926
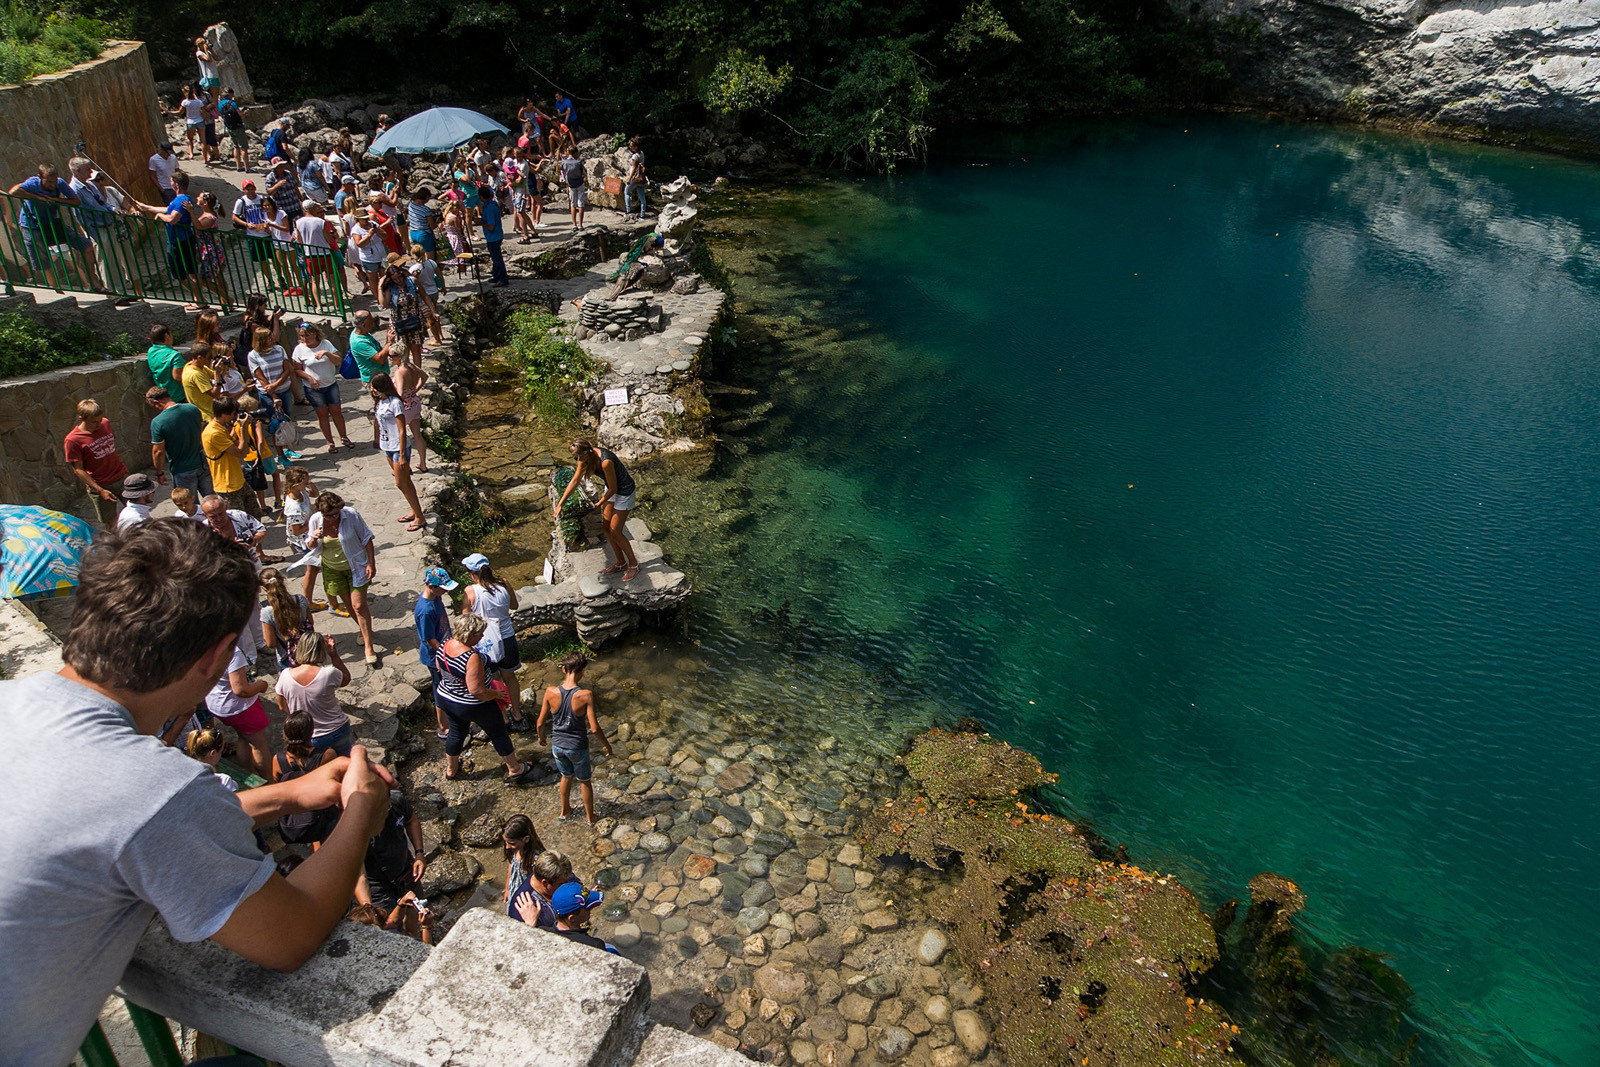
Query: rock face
1461	63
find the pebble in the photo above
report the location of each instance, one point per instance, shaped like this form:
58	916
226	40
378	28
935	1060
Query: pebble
971	1031
843	879
626	935
895	1043
655	842
756	945
855	1007
880	919
752	919
931	948
937	1009
949	1056
674	924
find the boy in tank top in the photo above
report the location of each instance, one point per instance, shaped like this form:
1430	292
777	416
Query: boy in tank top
566	718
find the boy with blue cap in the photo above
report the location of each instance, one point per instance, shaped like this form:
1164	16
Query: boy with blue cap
433	626
572	906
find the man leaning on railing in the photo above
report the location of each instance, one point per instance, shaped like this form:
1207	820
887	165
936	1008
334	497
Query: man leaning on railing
49	241
102	826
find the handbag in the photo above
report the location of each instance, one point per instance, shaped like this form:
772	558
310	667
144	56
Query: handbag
255	477
348	368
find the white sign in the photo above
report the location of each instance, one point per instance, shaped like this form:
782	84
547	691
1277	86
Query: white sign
616	396
549	573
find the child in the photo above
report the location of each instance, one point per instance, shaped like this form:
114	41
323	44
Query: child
206	746
570	713
192	107
300	758
259	448
183	500
426	272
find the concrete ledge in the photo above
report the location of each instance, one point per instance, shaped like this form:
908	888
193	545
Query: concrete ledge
293	1018
498	993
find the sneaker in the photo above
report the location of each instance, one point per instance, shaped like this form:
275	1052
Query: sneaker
519	726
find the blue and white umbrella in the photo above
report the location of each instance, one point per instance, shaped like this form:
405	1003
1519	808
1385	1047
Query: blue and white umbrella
437	129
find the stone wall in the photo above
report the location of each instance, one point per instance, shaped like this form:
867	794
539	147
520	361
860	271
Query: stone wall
108	103
37	411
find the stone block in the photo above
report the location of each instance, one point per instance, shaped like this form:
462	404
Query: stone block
665	1047
470	1001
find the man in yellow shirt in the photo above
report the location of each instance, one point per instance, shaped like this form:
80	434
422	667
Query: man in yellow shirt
199	384
225	454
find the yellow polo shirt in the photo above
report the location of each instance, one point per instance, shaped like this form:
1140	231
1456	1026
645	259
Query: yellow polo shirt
197	379
227	473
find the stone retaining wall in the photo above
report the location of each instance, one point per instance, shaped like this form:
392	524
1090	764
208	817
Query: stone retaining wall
37	411
109	103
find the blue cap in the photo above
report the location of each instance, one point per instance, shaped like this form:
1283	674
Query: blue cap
437	576
570	897
475	562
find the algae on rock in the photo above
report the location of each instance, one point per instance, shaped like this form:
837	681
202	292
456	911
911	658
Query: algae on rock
1084	960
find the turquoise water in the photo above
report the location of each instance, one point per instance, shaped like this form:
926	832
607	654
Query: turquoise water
1248	474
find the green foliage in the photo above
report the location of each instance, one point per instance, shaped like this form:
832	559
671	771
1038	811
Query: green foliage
742	82
36	42
855	82
29	348
551	364
443	445
880	112
470	513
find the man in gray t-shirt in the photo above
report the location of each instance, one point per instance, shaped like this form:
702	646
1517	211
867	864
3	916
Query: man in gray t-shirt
577	192
103	827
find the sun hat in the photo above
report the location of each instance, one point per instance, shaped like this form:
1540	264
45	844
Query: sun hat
436	576
475	562
137	487
570	897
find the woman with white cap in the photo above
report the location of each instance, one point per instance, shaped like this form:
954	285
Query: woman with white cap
493	599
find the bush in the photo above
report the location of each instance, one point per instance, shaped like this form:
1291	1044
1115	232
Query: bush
32	44
29	348
551	364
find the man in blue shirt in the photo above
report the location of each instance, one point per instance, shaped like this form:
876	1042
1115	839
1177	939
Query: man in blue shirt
493	233
433	626
566	112
48	239
183	250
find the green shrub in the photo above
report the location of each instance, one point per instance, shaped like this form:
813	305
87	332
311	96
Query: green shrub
552	364
29	348
33	43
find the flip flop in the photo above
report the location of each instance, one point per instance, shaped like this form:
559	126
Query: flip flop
414	527
522	775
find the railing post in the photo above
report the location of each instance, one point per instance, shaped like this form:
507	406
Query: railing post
96	1050
156	1037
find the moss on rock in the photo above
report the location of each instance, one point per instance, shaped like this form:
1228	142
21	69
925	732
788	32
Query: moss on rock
1086	961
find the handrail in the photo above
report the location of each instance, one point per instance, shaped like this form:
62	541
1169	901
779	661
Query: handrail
85	250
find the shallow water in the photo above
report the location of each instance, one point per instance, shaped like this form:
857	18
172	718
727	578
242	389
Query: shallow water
1244	472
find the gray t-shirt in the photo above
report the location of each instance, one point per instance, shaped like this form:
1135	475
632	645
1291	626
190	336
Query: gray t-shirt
101	827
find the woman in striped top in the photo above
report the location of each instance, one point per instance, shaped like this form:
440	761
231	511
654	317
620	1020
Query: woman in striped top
466	698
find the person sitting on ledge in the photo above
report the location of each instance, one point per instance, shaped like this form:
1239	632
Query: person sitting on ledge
97	845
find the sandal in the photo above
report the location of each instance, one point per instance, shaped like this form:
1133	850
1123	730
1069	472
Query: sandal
339	610
442	734
414	527
522	775
519	725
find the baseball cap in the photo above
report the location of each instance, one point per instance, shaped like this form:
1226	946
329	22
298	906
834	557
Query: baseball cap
348	179
476	561
164	146
437	576
248	183
570	897
137	487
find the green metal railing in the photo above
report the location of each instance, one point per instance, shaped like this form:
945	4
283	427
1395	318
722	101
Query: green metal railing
154	1035
78	249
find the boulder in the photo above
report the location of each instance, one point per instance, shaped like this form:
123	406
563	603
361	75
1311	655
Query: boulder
230	70
448	873
676	221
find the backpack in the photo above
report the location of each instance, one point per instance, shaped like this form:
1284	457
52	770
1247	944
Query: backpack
230	114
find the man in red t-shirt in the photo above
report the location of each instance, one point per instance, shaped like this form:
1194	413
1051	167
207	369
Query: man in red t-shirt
91	451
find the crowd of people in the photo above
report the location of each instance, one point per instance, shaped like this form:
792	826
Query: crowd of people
321	226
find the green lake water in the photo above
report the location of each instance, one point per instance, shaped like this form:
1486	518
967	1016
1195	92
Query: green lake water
1246	473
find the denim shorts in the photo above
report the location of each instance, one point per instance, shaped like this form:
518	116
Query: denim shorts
572	764
338	740
323	398
394	456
